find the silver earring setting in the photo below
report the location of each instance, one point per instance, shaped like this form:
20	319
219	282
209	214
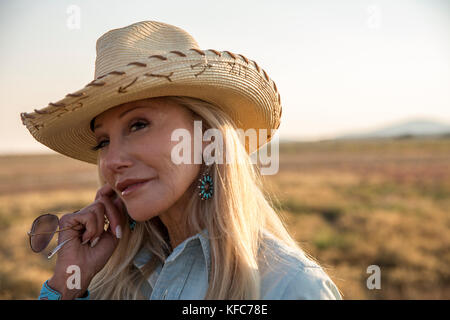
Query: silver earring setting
206	185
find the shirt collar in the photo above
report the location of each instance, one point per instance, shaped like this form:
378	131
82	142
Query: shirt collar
144	255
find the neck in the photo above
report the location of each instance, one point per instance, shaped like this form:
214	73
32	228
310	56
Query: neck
177	232
174	220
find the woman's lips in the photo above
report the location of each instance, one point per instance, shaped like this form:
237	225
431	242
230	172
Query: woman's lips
133	187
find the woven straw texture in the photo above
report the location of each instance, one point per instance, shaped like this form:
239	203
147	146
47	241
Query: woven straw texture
153	59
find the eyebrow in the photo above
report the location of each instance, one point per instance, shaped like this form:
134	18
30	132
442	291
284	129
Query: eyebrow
121	115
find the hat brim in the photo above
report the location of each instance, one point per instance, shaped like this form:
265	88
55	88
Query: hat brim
231	82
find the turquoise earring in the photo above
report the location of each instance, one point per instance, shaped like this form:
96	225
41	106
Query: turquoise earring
206	185
131	223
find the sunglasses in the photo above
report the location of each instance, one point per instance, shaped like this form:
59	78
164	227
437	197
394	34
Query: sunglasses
42	231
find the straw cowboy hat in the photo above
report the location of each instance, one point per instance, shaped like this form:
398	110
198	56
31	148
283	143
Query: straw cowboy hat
153	59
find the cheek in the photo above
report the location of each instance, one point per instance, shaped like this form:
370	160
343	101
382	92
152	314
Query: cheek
105	174
172	184
154	144
175	179
184	175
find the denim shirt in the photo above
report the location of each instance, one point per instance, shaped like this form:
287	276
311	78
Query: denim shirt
184	274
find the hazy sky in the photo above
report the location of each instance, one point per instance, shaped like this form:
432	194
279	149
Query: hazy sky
340	66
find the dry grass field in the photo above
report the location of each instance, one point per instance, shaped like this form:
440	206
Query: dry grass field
349	204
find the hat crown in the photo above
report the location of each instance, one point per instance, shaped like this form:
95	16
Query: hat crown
138	41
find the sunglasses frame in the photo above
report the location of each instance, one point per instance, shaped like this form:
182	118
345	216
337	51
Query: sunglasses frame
31	234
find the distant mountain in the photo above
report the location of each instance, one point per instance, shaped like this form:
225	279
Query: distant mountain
419	127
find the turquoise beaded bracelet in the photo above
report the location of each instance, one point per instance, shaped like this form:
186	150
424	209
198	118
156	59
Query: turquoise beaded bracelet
48	293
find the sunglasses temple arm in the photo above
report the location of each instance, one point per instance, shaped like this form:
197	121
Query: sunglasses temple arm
66	228
39	233
59	246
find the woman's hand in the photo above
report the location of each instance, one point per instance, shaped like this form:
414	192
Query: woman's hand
92	246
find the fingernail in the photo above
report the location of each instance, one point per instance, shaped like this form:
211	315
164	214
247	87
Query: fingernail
93	243
85	241
118	232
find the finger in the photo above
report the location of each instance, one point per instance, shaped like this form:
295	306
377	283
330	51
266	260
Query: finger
109	233
119	204
108	230
114	216
107	242
105	190
73	227
100	226
88	219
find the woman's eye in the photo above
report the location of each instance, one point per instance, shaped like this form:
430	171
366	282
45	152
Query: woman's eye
99	145
140	124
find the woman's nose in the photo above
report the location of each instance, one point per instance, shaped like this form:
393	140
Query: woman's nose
116	157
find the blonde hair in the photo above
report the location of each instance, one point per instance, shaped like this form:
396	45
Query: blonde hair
235	218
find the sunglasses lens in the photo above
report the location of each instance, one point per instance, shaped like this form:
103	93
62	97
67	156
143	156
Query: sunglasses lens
44	227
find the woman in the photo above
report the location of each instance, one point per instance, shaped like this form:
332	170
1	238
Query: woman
177	229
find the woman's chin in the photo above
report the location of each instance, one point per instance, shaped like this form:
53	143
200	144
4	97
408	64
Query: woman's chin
142	212
142	216
146	207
